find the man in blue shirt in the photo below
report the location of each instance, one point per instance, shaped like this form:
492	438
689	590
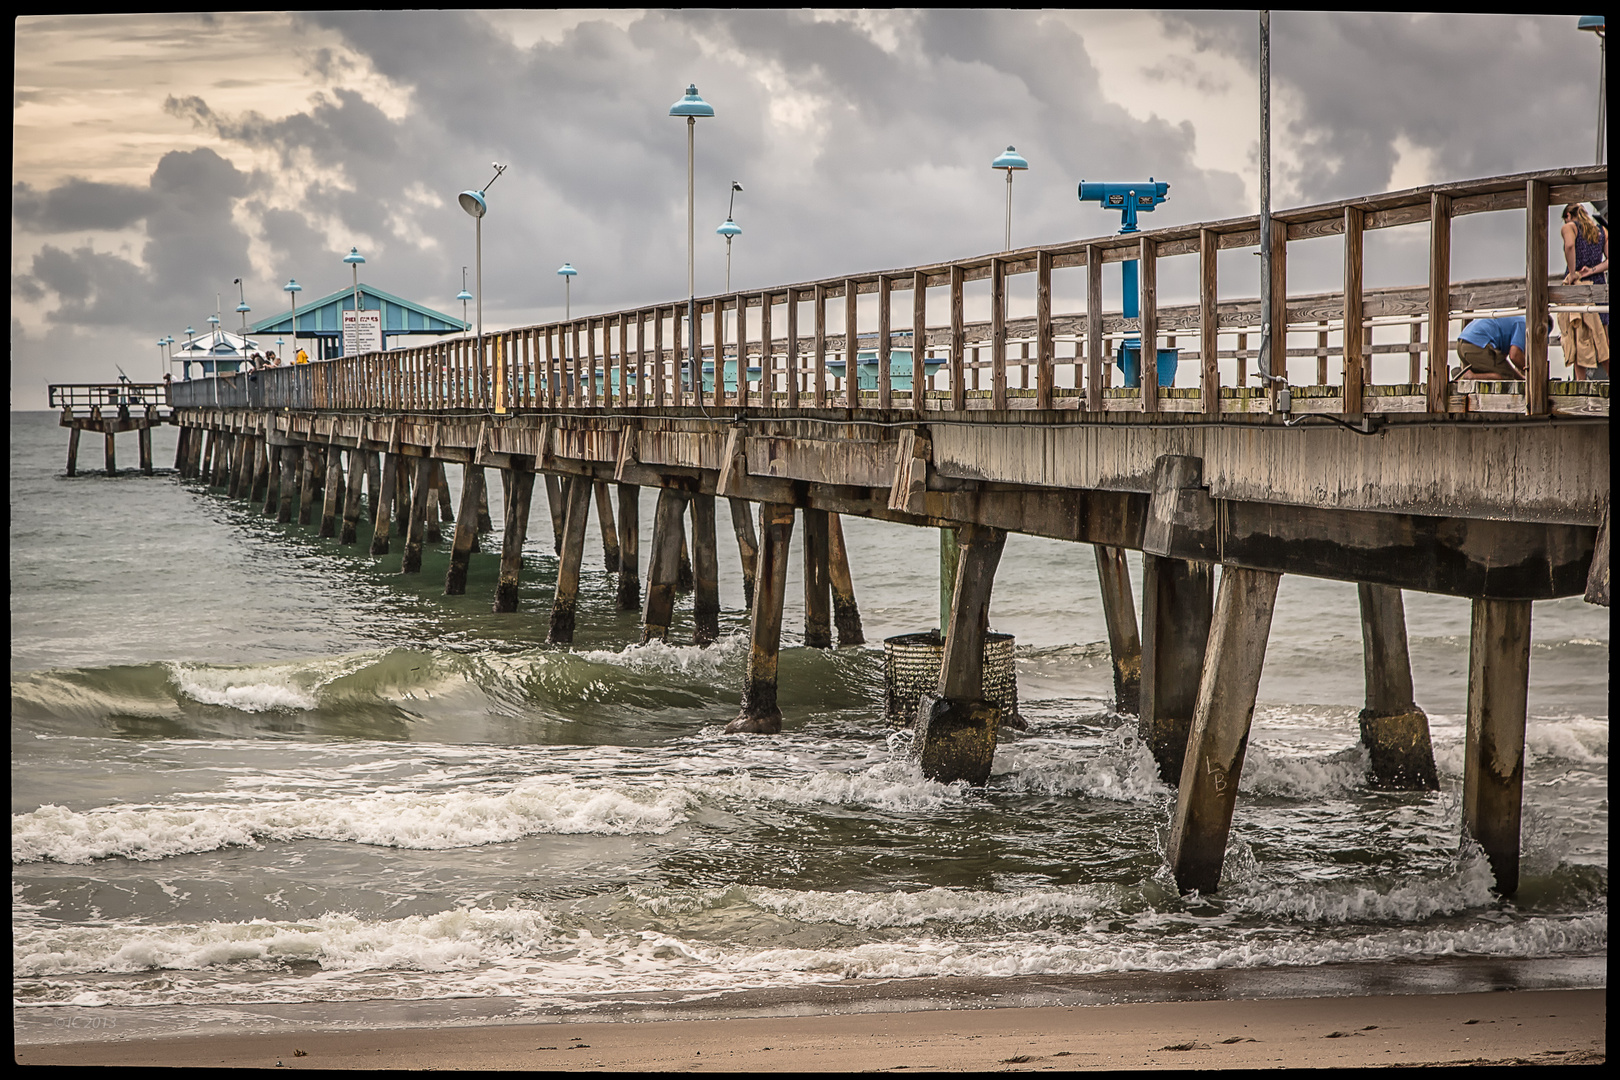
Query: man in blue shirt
1492	348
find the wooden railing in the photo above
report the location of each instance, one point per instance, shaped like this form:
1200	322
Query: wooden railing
107	395
787	357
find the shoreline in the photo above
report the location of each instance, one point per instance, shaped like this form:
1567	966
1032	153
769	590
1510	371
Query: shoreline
1414	1013
1515	1027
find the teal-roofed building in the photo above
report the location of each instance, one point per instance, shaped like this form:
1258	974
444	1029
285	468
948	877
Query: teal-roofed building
320	322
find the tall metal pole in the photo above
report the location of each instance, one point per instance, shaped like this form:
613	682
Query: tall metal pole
1007	243
1603	73
1265	193
478	280
691	272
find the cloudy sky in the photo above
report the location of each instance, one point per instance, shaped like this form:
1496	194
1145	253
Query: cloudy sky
158	157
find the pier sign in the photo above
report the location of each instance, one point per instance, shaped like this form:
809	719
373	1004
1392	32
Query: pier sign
362	332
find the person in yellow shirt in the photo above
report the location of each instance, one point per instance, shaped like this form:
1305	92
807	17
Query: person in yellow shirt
301	358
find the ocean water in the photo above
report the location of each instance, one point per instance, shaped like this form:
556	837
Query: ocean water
252	768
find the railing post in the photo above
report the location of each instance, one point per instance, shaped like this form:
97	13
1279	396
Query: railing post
958	342
1045	349
852	337
641	360
767	354
1208	322
1536	196
998	333
919	341
1439	383
742	349
719	350
1148	360
1094	333
885	345
820	303
1278	316
1354	371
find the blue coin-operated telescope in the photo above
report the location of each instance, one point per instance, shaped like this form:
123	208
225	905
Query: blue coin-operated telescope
1130	200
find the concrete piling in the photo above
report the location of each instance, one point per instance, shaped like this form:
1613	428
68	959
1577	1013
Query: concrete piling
402	496
355	480
846	613
577	506
610	536
272	475
432	506
684	579
421	515
331	508
73	449
706	572
261	470
659	606
1219	737
180	448
1124	642
288	487
558	507
1493	756
742	523
1393	729
111	452
306	494
955	733
817	587
760	714
144	443
382	500
520	492
373	483
1176	605
466	535
628	597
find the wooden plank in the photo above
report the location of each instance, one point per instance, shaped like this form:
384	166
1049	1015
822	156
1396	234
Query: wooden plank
1354	367
819	301
767	352
919	347
852	339
677	356
1535	298
998	334
1438	379
958	344
1094	331
1208	328
1147	268
885	345
1045	347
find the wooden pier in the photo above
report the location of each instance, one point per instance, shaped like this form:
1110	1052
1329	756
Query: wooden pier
109	409
1494	491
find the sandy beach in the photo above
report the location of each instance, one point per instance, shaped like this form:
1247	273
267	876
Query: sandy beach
1519	1027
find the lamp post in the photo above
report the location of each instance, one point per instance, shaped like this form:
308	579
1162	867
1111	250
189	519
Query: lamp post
729	229
354	259
464	296
242	308
1265	194
168	353
292	289
1011	162
566	271
1594	24
162	363
185	365
691	106
477	206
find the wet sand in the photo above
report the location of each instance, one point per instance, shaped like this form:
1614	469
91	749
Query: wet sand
1527	1026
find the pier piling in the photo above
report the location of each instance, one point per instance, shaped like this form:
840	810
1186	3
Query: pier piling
659	606
331	508
143	437
261	470
628	597
73	451
846	613
558	505
1177	596
287	489
577	504
742	523
760	714
306	494
1124	641
1393	729
817	587
382	501
111	452
466	534
610	536
1493	756
520	492
706	572
420	516
354	483
1219	737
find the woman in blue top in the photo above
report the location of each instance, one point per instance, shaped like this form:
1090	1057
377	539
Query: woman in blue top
1585	335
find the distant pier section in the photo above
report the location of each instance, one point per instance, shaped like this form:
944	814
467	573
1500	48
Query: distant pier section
109	409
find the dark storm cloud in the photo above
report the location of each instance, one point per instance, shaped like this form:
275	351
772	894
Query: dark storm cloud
1455	84
76	205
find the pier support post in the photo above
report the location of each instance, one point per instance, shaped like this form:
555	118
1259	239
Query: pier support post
466	535
760	714
402	496
610	536
144	442
629	594
1177	596
382	501
306	497
1220	728
817	589
559	509
181	447
421	513
330	507
1119	612
194	454
949	556
73	449
288	488
565	602
484	523
355	479
684	580
742	523
261	470
662	565
846	613
272	485
955	735
1393	729
219	447
706	572
209	444
441	486
111	450
520	492
435	495
373	482
1493	758
236	474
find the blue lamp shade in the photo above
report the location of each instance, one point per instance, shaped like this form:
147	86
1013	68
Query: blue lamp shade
243	307
567	270
463	295
729	229
292	286
1010	160
691	104
214	319
169	340
1591	22
354	256
473	202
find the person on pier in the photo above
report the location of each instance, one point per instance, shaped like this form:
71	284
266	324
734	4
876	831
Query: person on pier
1493	349
1585	334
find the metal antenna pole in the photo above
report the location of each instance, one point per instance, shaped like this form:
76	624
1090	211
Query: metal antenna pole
1007	245
1265	193
691	273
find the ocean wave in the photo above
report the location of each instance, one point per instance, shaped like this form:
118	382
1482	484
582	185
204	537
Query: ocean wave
420	821
1358	902
1121	770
